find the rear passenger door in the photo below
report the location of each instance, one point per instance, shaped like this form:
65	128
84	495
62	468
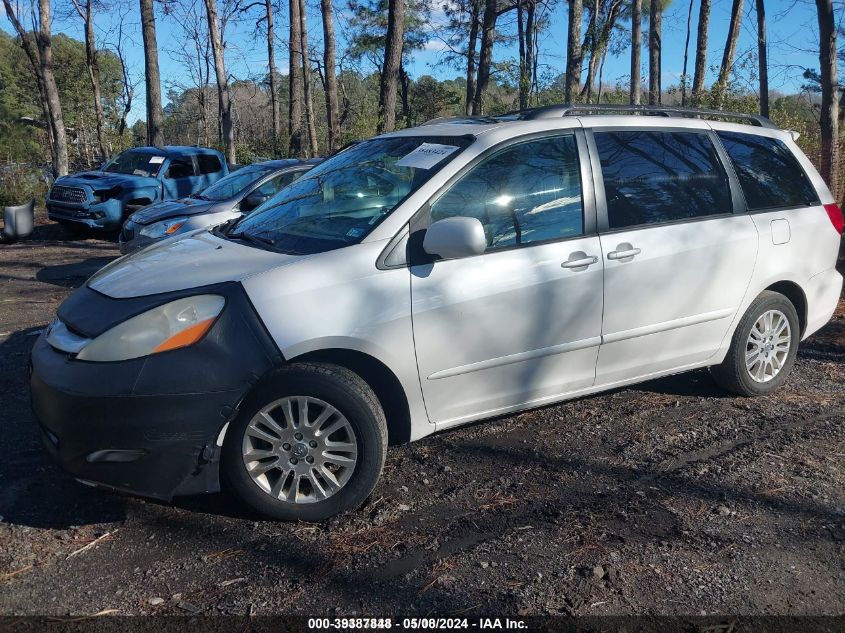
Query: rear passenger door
180	179
210	170
519	323
677	259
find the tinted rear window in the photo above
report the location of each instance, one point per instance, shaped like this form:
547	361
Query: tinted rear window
770	176
654	177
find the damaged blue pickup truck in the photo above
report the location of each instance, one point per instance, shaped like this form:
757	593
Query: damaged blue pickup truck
102	199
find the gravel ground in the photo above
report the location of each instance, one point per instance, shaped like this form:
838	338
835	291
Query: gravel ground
668	498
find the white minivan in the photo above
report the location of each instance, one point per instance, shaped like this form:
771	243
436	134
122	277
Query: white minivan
434	276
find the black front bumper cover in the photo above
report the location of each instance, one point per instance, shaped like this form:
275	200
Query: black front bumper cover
166	409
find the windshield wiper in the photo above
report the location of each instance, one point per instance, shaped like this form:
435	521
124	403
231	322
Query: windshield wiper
255	239
199	196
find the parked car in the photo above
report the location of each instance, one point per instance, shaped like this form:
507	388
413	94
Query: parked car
435	276
230	197
133	179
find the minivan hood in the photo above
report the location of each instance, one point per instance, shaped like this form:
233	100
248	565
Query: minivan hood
104	180
179	263
176	208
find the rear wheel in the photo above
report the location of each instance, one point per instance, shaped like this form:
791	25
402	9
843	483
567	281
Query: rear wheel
307	446
763	347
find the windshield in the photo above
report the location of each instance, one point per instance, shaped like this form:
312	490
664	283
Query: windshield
233	184
135	163
341	200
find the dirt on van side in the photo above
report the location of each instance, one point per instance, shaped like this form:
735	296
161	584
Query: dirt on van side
671	497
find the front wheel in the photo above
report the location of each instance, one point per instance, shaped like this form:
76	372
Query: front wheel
308	445
763	347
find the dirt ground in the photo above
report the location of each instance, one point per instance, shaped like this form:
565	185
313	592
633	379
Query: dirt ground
668	498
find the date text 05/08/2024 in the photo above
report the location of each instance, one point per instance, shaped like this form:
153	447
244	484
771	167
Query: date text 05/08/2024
486	624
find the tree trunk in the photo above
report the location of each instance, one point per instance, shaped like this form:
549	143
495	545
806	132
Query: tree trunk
530	28
684	77
574	53
655	36
35	62
829	120
313	148
155	136
485	58
93	68
43	39
700	53
274	89
390	68
729	52
636	50
762	58
295	83
329	61
520	34
224	99
475	9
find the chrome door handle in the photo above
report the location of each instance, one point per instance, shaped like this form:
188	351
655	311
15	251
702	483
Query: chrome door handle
624	251
579	260
582	262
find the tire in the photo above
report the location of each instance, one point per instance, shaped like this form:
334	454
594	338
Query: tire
328	487
734	374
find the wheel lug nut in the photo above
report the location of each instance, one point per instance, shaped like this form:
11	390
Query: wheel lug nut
294	460
309	459
312	444
286	446
298	436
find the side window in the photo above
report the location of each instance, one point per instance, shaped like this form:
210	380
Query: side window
652	177
526	193
768	173
209	164
180	168
274	184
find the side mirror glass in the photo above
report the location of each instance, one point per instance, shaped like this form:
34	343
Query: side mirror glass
455	237
253	200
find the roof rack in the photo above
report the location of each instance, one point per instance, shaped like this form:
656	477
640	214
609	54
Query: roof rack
554	111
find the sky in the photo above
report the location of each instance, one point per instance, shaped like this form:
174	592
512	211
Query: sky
792	34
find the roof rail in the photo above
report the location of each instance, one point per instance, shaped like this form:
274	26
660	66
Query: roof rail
554	111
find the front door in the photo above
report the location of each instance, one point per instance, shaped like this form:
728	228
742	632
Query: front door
520	323
677	260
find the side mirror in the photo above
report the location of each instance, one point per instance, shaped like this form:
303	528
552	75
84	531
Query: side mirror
253	200
455	237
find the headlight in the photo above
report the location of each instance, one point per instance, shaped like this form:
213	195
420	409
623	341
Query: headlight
171	326
165	227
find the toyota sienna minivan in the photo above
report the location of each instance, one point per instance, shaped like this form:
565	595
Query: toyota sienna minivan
431	277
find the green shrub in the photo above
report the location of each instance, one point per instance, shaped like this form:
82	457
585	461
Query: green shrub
19	183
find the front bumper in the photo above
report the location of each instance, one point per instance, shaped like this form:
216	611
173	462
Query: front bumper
156	446
150	425
105	215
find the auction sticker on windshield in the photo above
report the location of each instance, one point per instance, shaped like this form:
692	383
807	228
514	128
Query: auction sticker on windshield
156	159
426	156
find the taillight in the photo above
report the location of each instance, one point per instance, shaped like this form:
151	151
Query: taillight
835	215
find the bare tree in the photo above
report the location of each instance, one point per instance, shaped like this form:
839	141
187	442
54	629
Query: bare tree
224	99
700	52
86	13
762	58
33	56
636	50
329	63
392	62
829	120
574	53
485	58
153	80
313	149
297	144
684	76
271	65
475	7
729	53
526	35
655	44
